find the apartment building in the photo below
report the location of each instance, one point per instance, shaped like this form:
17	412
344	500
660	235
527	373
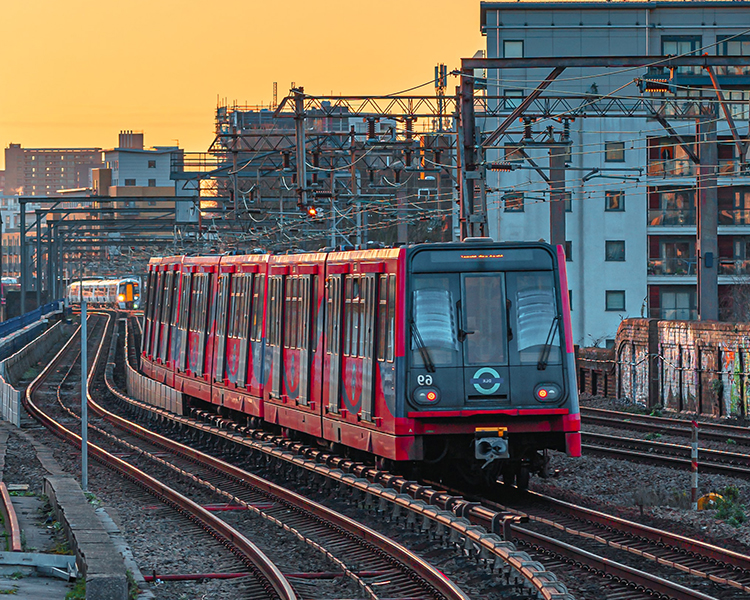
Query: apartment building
631	213
44	171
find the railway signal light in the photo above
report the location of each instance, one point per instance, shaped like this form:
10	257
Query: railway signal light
312	211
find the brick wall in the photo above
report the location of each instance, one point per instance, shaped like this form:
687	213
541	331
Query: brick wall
691	366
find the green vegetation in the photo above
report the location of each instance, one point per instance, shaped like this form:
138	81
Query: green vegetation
24	493
731	441
11	592
133	590
79	590
653	436
30	373
729	508
16	576
655	412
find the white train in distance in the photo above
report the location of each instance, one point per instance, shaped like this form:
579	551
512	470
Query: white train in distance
122	293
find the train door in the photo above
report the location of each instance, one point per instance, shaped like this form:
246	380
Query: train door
332	366
257	368
296	352
276	332
173	291
166	316
236	353
182	324
483	334
367	343
221	327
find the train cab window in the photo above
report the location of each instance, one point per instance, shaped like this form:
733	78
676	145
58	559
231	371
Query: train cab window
483	329
537	319
433	327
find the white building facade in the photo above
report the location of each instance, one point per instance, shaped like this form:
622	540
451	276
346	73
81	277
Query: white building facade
631	220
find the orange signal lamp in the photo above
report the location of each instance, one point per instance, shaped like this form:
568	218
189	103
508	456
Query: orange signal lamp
431	396
312	211
542	393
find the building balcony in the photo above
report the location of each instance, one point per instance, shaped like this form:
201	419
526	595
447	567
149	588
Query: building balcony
732	266
664	217
734	217
674	314
672	266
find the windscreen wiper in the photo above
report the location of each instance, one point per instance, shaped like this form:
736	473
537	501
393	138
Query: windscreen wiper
547	348
423	352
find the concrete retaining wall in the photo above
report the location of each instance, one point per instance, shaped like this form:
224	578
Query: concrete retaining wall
96	556
13	368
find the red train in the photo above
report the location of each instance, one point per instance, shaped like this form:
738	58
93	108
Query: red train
453	354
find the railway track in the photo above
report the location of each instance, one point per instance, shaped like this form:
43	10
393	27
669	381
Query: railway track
41	401
717	432
671	455
685	556
379	567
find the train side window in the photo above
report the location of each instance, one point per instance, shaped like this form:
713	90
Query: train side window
347	315
234	305
365	347
175	291
382	314
221	327
185	302
356	316
391	318
304	315
258	293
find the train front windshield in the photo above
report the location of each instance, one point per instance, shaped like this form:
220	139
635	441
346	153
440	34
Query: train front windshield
472	333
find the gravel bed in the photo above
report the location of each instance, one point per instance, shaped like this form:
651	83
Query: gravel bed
654	495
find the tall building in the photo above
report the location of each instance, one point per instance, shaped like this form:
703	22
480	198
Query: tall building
631	215
43	171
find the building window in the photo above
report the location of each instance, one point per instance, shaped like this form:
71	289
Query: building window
614	201
735	46
614	151
130	182
568	202
570	299
568	250
512	99
513	202
614	250
513	48
152	183
615	300
152	164
681	44
609	343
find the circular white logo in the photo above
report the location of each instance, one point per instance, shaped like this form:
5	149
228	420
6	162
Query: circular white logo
486	376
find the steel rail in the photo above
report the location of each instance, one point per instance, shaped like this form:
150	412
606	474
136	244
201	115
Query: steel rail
277	585
436	579
617	571
476	513
333	467
719	432
673	455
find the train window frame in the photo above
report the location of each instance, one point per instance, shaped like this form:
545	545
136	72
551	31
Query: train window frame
222	319
382	316
391	345
347	314
256	331
356	315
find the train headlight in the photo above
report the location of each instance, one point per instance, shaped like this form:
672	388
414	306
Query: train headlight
547	392
426	395
121	298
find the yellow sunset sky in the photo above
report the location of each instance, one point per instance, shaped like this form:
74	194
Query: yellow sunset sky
76	72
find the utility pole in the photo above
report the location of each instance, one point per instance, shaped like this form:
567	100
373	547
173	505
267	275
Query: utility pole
557	154
84	400
22	246
38	258
299	124
707	202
